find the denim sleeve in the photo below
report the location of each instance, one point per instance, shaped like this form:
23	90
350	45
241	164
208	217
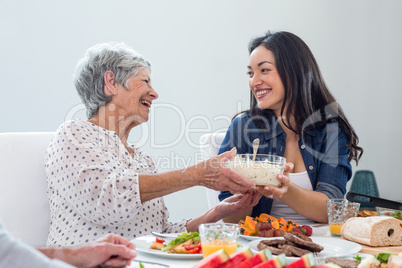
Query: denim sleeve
335	169
232	137
329	190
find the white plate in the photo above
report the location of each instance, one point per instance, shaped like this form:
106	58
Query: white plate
332	247
352	256
143	243
252	238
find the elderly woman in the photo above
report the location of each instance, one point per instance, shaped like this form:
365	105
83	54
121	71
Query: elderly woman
98	183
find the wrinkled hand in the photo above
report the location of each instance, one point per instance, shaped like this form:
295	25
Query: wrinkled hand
110	251
277	192
238	203
215	175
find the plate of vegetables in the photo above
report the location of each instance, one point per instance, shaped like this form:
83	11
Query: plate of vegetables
184	246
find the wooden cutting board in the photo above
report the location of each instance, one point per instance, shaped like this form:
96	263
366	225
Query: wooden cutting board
376	250
368	249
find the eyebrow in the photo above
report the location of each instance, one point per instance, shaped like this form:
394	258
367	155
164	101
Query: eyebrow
261	63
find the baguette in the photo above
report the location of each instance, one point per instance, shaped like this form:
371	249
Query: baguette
376	231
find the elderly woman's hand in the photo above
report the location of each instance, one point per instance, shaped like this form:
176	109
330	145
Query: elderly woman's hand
277	192
213	174
238	203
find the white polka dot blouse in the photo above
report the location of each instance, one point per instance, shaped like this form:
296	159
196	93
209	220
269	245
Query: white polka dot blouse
93	187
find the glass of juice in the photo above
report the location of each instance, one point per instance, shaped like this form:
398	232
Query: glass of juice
216	236
339	211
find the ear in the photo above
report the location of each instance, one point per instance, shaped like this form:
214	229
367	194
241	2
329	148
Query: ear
110	88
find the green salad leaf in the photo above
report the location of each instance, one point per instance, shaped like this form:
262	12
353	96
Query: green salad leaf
383	257
183	237
397	215
358	258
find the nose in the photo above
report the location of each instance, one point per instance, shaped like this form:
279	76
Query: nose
153	94
255	81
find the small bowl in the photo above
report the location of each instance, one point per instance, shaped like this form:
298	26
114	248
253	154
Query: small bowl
389	212
263	171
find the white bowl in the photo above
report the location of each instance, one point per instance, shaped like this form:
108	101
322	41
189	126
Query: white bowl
263	171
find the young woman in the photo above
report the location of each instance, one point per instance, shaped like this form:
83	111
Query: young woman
294	115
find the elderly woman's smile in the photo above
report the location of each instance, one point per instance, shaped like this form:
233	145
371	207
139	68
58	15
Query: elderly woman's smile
146	103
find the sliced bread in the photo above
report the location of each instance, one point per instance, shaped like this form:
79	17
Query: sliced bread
374	231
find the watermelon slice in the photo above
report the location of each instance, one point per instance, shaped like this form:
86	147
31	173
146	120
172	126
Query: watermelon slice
258	258
237	258
306	261
213	260
276	262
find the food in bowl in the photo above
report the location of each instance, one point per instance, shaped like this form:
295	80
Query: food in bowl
389	212
264	170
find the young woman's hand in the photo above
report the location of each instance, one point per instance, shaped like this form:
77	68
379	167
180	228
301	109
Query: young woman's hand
277	192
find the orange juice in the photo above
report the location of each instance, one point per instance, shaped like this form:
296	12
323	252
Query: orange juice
335	228
209	248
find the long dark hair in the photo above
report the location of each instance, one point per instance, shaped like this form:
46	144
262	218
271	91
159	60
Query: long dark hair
308	98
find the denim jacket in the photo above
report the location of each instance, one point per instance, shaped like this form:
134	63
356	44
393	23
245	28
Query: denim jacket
323	148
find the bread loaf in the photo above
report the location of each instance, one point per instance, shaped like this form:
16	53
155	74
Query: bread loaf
374	231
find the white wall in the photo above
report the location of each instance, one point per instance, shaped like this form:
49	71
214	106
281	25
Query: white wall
198	50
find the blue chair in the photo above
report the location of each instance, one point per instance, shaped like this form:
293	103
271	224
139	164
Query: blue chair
363	182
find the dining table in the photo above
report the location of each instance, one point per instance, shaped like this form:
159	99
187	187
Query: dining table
152	260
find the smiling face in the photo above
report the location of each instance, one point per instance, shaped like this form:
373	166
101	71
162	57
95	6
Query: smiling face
264	80
135	100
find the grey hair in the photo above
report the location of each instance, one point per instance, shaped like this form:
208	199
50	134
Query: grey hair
89	81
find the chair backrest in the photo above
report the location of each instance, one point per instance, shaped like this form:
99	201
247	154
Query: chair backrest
209	146
24	206
364	182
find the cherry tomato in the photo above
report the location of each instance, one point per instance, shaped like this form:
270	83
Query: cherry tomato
189	247
159	240
197	249
193	251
